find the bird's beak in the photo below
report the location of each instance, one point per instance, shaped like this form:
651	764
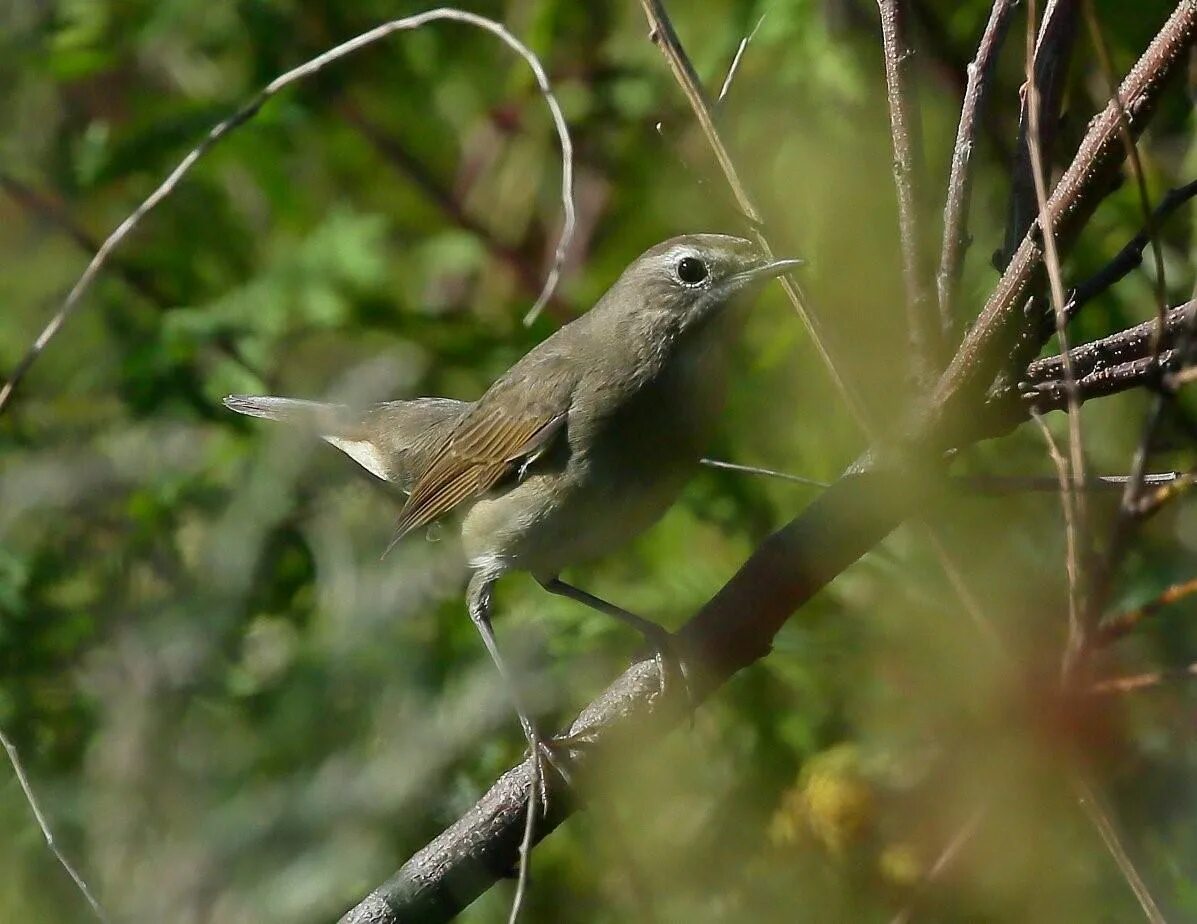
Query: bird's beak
771	269
761	272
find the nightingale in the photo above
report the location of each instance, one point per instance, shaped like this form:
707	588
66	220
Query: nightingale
579	446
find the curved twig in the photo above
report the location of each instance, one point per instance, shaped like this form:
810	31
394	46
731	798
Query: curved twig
251	108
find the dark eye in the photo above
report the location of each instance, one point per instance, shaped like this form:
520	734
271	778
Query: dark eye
691	270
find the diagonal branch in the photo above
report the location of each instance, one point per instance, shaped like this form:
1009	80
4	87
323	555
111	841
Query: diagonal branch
1001	335
736	627
250	109
662	33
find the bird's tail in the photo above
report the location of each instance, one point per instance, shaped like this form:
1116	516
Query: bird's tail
314	415
393	441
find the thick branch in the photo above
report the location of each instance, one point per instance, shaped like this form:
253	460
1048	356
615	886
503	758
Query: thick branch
1002	328
737	626
1117	349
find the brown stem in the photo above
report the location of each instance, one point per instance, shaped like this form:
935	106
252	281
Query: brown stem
926	337
955	214
1053	51
663	35
737	625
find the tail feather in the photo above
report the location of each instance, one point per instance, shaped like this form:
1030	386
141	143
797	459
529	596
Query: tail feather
289	410
392	441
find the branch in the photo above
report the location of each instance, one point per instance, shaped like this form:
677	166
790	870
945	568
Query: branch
1130	257
47	833
955	214
1053	50
1001	334
392	150
662	33
736	627
251	109
1102	367
1118	626
926	337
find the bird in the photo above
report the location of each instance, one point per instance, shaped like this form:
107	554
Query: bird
581	445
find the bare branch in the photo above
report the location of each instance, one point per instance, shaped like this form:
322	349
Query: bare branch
1075	509
1118	626
1147	681
956	207
47	833
735	64
1001	326
1100	816
1112	364
926	336
737	625
1136	165
251	108
662	33
1053	51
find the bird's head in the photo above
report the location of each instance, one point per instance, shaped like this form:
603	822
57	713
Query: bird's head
685	281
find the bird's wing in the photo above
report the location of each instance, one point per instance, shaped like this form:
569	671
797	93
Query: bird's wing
514	421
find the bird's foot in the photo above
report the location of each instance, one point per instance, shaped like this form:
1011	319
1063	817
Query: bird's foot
547	753
663	646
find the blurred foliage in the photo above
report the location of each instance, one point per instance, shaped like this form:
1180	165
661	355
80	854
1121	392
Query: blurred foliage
234	712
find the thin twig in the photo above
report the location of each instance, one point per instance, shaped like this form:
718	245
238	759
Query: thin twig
955	213
1129	257
1075	514
525	864
735	64
1137	682
15	760
982	484
1051	54
1118	626
1068	504
926	336
768	472
946	858
1100	816
662	33
1150	228
251	108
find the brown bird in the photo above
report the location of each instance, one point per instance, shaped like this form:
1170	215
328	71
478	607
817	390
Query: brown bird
578	447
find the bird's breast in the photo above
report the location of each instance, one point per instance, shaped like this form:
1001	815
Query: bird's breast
625	459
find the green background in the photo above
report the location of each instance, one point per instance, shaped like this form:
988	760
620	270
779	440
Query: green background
233	711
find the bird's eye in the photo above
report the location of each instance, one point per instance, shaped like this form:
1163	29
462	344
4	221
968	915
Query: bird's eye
691	270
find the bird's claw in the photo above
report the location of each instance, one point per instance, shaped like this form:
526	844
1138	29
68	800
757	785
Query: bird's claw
668	661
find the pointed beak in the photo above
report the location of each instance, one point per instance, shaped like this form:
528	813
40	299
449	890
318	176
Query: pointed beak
764	271
772	269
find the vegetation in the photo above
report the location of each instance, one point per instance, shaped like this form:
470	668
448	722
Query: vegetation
231	710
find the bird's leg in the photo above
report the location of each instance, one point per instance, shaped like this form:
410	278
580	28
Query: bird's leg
478	596
658	637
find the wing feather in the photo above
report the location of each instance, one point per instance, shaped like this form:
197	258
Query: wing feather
513	421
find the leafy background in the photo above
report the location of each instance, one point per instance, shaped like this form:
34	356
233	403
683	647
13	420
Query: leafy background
234	712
